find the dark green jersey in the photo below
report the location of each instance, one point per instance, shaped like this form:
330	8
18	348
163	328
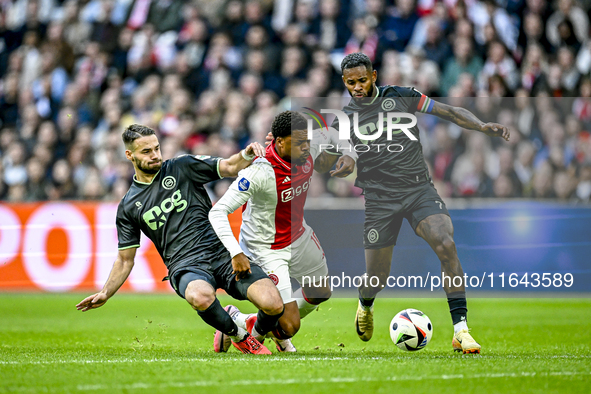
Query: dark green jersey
388	165
173	211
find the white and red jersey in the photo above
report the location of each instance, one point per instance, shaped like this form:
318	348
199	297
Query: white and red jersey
291	189
273	193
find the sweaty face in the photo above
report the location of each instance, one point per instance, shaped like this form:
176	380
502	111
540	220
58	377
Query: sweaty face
298	146
146	154
360	81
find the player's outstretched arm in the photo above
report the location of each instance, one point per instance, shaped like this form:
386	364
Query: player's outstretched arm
466	119
119	273
251	181
231	166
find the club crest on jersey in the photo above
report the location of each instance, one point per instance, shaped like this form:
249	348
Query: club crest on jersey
274	279
388	104
307	167
169	183
243	184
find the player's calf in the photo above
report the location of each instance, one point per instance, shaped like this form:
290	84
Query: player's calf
308	298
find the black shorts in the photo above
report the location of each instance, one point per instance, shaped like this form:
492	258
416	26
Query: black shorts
384	213
220	277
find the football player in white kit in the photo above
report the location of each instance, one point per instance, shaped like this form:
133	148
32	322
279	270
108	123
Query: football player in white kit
274	234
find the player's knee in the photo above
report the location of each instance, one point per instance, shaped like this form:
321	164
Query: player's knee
446	246
273	306
199	298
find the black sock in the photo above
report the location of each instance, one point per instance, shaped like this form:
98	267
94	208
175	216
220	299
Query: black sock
219	319
266	323
457	306
366	302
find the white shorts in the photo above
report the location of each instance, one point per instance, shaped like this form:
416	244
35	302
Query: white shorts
302	259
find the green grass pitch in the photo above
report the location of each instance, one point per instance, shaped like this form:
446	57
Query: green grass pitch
157	344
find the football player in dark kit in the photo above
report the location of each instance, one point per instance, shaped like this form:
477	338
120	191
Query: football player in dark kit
168	203
397	186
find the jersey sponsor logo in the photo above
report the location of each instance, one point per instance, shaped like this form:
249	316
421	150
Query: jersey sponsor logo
289	194
274	278
155	217
388	104
169	183
287	179
373	236
138	204
243	184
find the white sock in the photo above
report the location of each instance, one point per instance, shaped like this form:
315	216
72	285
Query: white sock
240	319
460	326
304	306
256	334
240	335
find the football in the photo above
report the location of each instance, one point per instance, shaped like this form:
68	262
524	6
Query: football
411	330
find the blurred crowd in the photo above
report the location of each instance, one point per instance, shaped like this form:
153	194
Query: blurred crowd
210	75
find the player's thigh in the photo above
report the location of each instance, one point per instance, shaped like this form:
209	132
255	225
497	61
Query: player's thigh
437	230
308	266
383	219
180	280
308	262
238	289
275	264
424	204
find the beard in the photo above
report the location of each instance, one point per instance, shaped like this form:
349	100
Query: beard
365	99
148	169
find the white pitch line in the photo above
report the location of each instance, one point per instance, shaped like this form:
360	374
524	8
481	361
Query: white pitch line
147	386
141	385
254	359
170	360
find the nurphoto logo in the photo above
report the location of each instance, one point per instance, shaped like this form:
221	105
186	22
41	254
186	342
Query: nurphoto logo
390	123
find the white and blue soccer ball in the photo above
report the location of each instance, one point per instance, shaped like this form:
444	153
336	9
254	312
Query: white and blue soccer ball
411	330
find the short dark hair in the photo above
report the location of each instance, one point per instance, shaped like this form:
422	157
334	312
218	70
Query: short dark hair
287	121
133	132
356	59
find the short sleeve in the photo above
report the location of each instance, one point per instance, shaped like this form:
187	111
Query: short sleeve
418	101
200	169
128	234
